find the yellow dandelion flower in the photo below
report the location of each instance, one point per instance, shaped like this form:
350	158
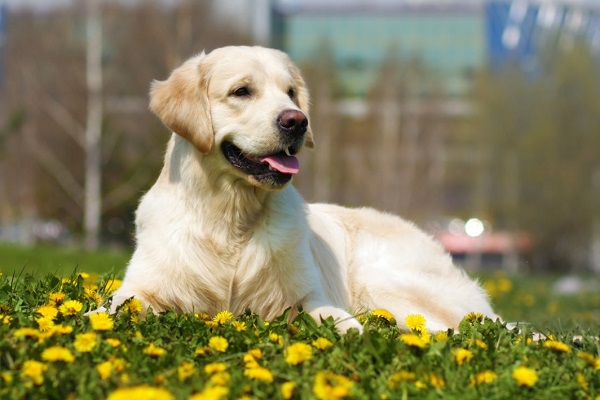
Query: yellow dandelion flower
134	306
256	353
57	297
26	332
105	370
202	351
415	322
484	377
239	326
585	356
589	358
58	353
420	385
462	356
112	285
250	361
223	317
504	285
211	393
330	386
154	351
92	294
203	316
101	322
297	353
583	383
63	329
142	392
70	307
118	364
441	336
381	313
44	323
525	376
124	379
113	342
425	335
401	376
287	390
259	374
85	342
84	275
528	341
185	370
47	311
412	340
220	379
215	368
52	330
474	317
6	377
322	343
275	338
218	343
90	287
479	343
34	370
557	346
437	382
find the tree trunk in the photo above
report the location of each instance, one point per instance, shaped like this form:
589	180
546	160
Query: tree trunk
92	204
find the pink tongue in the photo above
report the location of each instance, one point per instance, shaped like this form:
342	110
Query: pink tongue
283	164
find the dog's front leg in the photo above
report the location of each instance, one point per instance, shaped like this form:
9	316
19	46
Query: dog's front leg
319	308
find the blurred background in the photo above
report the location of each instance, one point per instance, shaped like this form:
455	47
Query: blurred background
478	120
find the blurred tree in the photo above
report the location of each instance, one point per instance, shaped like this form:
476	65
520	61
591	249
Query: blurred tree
46	94
318	180
541	133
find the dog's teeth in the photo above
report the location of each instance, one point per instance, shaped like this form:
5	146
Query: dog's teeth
287	151
271	168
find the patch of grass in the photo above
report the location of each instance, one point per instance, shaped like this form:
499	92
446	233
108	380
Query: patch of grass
531	299
50	350
48	259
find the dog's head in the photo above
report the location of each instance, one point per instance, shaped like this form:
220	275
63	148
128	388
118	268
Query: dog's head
248	104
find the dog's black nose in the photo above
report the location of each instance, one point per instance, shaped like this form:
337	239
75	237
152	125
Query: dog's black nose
292	121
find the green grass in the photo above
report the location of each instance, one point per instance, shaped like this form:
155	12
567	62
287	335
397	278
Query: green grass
182	356
46	259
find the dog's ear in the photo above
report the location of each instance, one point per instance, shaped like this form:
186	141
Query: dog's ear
303	102
181	102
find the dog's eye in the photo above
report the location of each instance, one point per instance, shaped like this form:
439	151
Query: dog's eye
291	93
241	92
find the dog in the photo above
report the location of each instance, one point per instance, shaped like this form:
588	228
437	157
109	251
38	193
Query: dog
223	229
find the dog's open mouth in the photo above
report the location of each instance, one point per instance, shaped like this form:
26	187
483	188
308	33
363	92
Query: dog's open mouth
274	169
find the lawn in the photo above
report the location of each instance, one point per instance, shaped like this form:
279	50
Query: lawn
47	259
50	350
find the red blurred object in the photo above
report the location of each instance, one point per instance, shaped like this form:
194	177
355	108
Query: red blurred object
488	243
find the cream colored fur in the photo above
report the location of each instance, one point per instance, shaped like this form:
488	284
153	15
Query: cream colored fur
210	238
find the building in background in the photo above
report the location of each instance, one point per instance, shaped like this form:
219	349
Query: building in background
449	38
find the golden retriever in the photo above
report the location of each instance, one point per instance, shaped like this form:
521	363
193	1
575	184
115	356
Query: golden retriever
222	228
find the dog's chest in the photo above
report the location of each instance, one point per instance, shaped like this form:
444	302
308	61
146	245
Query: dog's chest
258	282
